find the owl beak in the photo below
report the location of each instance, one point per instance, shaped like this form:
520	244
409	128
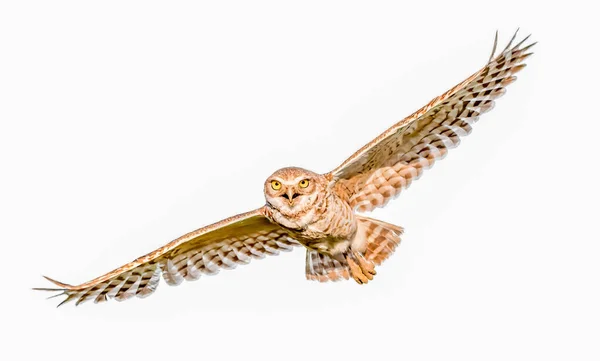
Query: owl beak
291	195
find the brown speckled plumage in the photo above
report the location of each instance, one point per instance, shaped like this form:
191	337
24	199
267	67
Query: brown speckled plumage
317	211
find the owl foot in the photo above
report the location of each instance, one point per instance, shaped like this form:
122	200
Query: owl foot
361	269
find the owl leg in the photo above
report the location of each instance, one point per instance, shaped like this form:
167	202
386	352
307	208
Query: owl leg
361	269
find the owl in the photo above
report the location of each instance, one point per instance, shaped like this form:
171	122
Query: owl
319	211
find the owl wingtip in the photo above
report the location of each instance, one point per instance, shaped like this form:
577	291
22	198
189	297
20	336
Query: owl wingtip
62	289
494	47
58	283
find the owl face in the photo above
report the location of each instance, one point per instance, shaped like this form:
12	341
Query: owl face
293	190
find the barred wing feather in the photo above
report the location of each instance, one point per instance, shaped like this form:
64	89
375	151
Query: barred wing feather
223	245
381	169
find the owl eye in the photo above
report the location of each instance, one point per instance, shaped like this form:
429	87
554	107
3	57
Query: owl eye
303	183
275	185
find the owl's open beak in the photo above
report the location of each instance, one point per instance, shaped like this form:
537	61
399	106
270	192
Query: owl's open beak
290	195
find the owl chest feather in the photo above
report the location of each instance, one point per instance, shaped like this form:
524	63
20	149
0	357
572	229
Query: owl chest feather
327	227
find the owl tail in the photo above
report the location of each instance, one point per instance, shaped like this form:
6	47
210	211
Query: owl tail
322	268
376	239
374	242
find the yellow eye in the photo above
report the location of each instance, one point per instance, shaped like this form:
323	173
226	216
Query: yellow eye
275	185
303	183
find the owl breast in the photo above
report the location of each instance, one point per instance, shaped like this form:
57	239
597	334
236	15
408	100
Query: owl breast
328	226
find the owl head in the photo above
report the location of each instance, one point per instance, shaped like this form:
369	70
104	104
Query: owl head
292	190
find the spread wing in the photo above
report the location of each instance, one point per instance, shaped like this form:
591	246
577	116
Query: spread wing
225	244
381	169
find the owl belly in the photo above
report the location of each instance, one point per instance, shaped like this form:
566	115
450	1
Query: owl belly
328	228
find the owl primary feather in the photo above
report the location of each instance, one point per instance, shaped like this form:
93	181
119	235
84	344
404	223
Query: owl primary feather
318	211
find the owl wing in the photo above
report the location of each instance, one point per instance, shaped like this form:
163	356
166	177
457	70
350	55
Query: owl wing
225	244
379	171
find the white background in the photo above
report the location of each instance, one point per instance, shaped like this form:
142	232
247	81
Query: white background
126	124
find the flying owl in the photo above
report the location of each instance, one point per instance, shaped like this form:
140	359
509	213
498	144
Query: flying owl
318	211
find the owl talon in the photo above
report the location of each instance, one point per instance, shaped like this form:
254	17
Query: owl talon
356	272
361	269
366	266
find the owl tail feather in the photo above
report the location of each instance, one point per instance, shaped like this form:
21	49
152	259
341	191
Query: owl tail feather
322	268
380	238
